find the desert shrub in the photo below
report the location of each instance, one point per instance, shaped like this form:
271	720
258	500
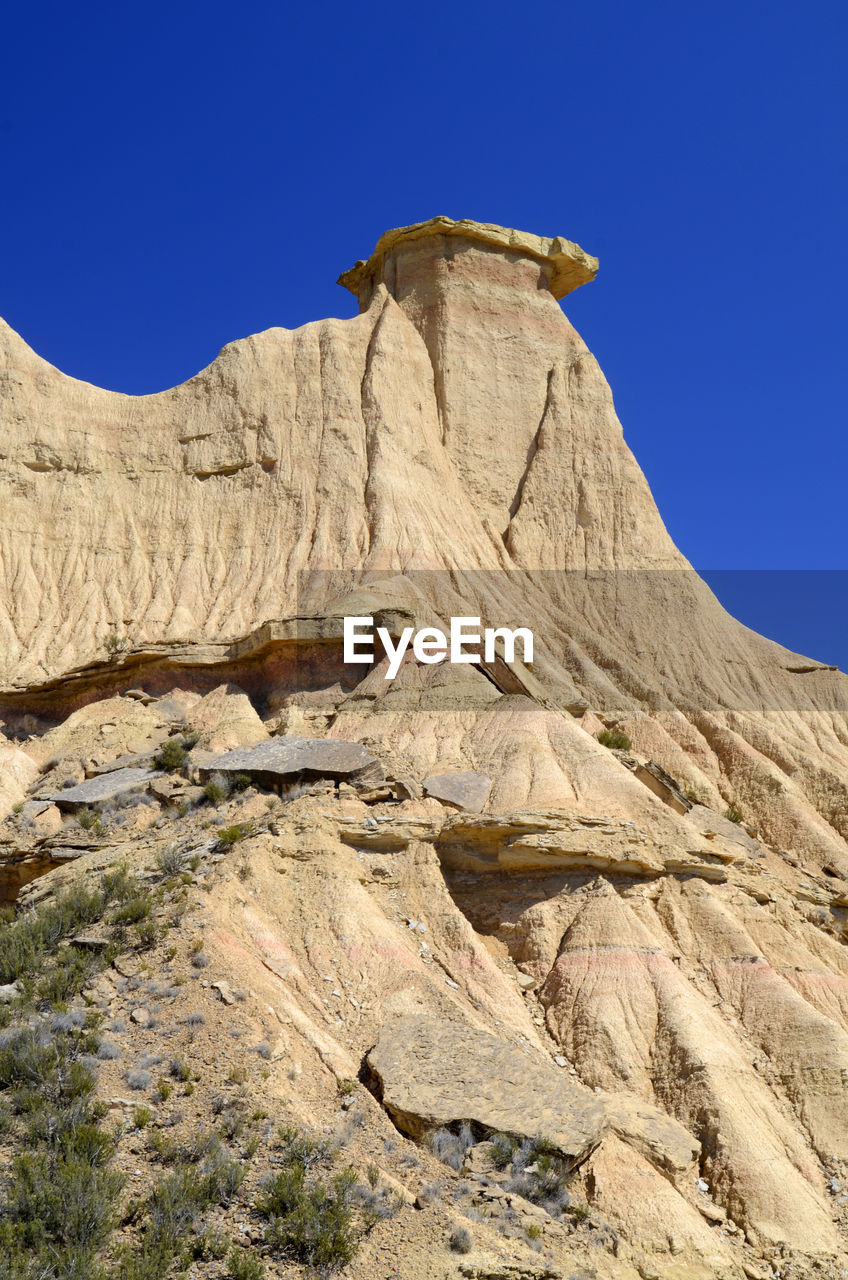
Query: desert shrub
310	1221
89	820
178	1200
66	1200
210	1244
149	1260
40	1068
147	933
430	1193
241	782
732	814
60	1194
134	908
450	1147
118	884
540	1174
173	753
116	644
67	975
81	1141
503	1148
175	1205
224	1175
374	1204
615	740
170	861
217	789
25	940
233	1122
533	1233
302	1148
461	1240
242	1265
171	756
138	1080
228	836
180	1069
107	1050
200	960
141	1117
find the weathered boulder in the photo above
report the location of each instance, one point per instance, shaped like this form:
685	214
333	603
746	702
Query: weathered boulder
466	789
226	720
282	759
17	771
105	787
662	784
430	1073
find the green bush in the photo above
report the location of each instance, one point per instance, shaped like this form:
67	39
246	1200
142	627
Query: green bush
171	756
40	1068
614	740
116	644
61	1197
503	1149
67	976
178	1200
228	836
732	814
89	820
244	1266
310	1222
25	940
68	1201
302	1148
173	753
540	1173
217	789
180	1069
133	909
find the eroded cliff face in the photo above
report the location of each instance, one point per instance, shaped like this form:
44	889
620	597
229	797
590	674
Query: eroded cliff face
453	449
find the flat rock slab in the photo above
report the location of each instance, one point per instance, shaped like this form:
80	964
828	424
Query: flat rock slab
434	1073
69	854
289	756
139	760
466	789
105	787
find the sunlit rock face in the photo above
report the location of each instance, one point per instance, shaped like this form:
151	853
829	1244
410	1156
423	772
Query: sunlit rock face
663	921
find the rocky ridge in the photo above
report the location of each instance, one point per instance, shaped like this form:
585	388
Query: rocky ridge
445	886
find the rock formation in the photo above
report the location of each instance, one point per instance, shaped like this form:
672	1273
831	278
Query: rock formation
497	899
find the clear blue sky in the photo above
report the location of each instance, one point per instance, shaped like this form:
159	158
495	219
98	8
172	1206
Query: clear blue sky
176	176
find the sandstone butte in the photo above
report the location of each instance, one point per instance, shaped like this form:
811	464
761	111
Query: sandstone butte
550	938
